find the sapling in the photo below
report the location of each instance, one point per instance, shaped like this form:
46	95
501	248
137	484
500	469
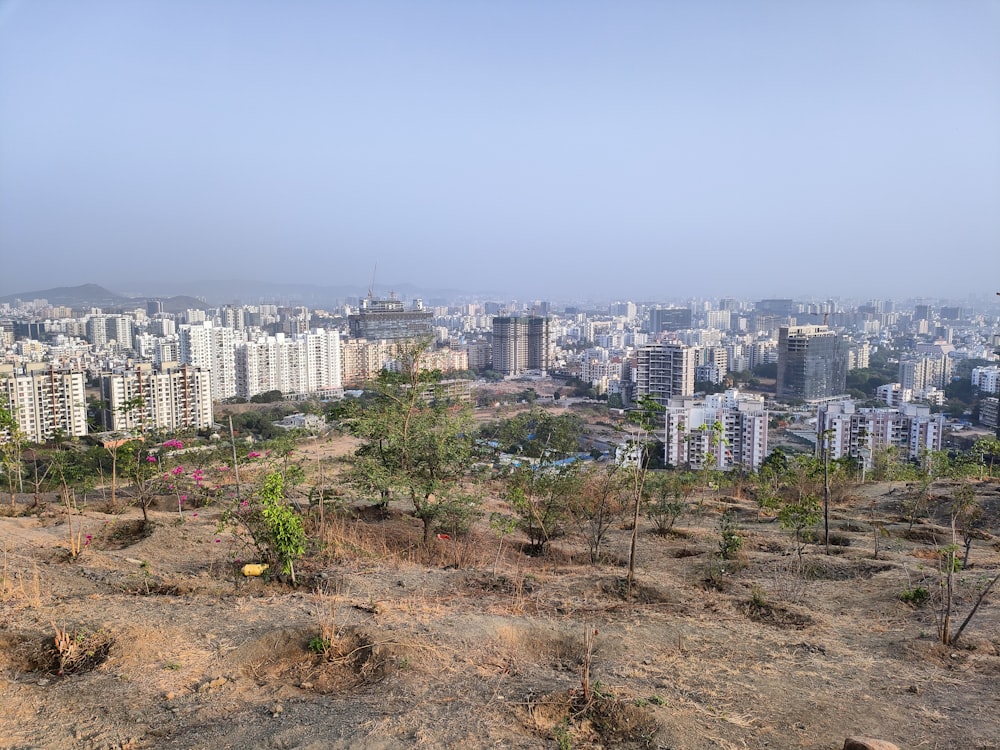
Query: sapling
501	525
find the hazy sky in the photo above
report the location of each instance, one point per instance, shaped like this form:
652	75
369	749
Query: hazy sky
547	149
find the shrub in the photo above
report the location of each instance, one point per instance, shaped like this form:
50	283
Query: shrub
917	596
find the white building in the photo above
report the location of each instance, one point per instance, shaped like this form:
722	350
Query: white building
986	379
140	399
691	438
212	348
45	402
858	433
299	365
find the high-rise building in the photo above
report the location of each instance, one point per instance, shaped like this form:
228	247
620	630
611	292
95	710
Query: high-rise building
388	319
690	437
669	319
812	363
857	433
44	401
304	364
141	398
211	348
665	371
521	344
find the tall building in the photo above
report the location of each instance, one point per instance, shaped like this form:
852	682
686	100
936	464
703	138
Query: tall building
812	363
44	401
665	371
521	344
857	433
669	319
304	364
917	373
140	399
690	440
211	348
388	319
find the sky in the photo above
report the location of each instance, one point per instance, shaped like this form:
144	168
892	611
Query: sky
562	149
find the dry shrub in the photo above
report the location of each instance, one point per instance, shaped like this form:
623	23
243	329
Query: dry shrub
832	569
603	721
775	615
74	651
642	593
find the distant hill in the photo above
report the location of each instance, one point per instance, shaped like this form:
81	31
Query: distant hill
85	295
93	295
204	294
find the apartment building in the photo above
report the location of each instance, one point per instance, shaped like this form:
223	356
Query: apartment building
665	371
141	398
521	344
812	363
725	431
858	433
213	348
44	401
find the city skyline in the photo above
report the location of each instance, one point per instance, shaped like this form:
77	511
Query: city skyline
640	151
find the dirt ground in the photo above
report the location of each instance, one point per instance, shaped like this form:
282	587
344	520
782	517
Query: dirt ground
157	641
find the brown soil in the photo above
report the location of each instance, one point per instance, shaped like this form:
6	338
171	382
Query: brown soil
154	640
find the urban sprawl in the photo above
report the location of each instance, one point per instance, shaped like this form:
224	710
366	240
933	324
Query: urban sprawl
913	377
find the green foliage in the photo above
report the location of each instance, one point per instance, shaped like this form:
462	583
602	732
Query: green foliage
319	645
540	499
917	596
282	529
267	397
413	439
537	433
456	513
272	526
667	494
730	540
798	516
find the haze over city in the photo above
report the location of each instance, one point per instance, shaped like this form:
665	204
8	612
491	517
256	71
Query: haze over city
636	150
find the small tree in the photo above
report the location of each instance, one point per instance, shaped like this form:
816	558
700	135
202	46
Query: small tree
666	498
643	421
730	539
540	498
284	533
273	527
598	505
413	437
501	525
12	441
799	515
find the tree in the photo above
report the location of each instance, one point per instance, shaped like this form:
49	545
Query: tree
12	441
797	516
274	529
537	433
413	437
140	467
667	494
597	505
642	423
540	497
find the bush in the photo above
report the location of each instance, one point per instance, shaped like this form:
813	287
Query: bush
916	596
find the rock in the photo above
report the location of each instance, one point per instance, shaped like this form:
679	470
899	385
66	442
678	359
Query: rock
170	696
867	743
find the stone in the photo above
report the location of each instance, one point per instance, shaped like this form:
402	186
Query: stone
867	743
